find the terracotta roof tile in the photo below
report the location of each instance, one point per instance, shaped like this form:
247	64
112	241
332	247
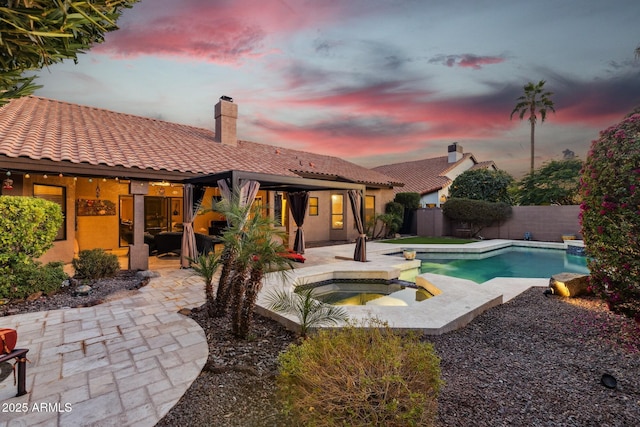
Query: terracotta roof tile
40	128
421	176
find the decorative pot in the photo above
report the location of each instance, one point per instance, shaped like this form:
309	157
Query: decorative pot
409	254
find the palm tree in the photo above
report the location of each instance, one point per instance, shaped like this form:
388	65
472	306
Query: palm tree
534	101
638	52
265	252
206	265
309	311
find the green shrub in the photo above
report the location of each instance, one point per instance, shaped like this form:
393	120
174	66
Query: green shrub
408	200
28	227
360	376
95	264
477	213
610	215
31	278
394	208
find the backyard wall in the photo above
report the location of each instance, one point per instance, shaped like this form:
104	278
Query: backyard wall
547	223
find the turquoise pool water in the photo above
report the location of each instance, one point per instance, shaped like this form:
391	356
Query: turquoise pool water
508	262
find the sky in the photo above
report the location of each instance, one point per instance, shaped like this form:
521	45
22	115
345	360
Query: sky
371	81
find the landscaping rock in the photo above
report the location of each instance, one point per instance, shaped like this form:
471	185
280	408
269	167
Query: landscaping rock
34	296
147	274
83	290
184	312
569	284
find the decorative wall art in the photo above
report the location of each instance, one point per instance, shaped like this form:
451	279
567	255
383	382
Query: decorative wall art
95	207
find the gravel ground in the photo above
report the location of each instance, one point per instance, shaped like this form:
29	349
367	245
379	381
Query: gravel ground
534	361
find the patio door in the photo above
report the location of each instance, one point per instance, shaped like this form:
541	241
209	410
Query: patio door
338	226
162	214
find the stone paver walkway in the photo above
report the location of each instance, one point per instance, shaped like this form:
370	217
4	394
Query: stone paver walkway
121	363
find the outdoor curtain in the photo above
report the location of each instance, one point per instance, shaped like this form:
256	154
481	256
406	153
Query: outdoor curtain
360	253
247	192
191	201
298	205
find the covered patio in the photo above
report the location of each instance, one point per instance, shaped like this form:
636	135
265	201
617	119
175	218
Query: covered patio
247	184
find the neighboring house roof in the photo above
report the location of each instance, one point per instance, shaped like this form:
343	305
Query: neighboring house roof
422	176
43	129
489	164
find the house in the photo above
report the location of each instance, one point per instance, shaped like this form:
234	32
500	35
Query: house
121	178
431	178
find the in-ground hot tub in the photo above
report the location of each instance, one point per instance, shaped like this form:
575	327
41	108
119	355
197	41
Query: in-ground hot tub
378	292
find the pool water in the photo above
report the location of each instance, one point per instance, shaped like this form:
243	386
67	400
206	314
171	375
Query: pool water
508	262
367	292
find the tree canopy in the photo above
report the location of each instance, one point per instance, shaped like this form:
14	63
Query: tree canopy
38	33
555	183
482	184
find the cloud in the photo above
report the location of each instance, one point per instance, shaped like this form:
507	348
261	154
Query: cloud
466	60
218	31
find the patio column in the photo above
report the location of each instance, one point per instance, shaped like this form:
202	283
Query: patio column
139	251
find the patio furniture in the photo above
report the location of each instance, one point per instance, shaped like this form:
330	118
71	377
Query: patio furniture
20	354
171	242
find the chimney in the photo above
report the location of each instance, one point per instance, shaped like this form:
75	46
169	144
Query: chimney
226	113
455	152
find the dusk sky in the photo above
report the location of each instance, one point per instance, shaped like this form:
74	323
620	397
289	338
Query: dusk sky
371	81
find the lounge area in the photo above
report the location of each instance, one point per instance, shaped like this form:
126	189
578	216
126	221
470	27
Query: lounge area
170	242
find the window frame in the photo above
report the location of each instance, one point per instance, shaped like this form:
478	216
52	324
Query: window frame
314	206
335	215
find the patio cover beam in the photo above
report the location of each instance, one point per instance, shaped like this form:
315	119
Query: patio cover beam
276	182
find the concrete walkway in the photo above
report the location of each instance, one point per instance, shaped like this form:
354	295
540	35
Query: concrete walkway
121	363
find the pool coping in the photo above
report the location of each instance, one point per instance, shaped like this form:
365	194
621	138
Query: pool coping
456	301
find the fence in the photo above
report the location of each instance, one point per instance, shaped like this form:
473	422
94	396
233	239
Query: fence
547	223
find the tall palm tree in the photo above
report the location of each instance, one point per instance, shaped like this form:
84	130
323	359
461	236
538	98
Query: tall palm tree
535	100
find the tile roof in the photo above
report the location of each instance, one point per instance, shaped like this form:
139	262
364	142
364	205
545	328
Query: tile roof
422	176
44	129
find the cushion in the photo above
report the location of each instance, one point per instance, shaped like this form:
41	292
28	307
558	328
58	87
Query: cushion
8	339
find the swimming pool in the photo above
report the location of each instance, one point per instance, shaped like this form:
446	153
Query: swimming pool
508	262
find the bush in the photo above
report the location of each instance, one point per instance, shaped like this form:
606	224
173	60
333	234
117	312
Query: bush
482	184
95	264
408	200
360	377
556	182
477	213
28	227
610	215
31	278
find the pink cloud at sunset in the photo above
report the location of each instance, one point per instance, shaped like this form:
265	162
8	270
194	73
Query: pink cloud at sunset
467	60
369	80
218	31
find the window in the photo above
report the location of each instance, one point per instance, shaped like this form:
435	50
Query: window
337	211
57	195
313	206
280	210
369	208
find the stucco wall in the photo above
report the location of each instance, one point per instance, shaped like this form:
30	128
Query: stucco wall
546	223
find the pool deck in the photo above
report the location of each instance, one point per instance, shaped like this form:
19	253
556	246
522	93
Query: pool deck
456	301
127	362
